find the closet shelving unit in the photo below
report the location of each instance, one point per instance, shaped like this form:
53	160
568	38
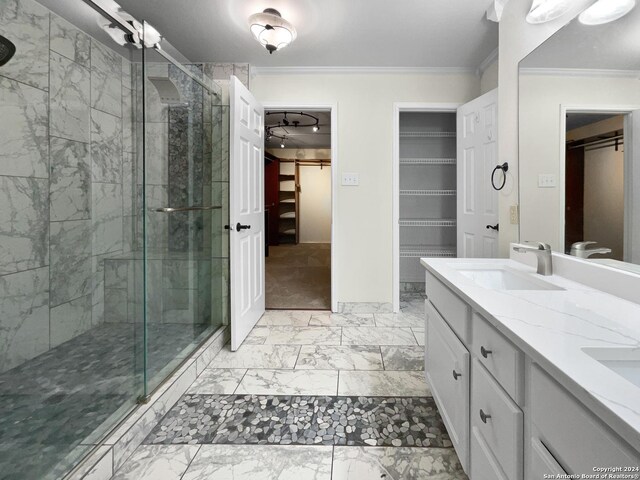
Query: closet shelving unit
288	209
427	191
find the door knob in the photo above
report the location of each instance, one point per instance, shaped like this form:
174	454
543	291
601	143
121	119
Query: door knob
240	227
495	227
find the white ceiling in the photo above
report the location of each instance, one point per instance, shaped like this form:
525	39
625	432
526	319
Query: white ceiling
301	137
353	33
612	46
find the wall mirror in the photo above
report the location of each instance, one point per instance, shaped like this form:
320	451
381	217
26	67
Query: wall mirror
579	142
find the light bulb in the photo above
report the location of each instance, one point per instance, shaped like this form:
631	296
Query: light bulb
316	128
282	145
605	11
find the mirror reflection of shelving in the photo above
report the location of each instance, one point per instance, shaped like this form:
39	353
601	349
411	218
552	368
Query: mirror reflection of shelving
427	192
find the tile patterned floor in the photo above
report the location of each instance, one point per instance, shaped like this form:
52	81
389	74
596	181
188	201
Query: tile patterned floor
311	395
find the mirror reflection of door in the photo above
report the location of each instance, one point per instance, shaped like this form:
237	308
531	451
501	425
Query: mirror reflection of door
595	183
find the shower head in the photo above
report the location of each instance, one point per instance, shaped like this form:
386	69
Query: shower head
7	49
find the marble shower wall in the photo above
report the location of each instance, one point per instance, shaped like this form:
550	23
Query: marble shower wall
66	179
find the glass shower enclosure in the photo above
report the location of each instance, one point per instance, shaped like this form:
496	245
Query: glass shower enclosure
113	255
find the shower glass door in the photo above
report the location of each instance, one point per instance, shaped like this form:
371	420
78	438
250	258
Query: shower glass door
182	214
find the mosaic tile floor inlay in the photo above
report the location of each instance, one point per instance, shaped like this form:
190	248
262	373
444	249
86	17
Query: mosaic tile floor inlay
302	420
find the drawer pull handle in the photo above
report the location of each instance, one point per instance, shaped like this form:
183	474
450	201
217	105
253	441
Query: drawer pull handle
485	353
484	416
456	375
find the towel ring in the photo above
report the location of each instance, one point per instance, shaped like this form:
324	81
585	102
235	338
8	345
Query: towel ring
504	168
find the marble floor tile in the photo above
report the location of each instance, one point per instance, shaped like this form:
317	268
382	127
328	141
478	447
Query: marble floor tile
419	334
365	307
329	357
403	358
377	336
342	320
388	463
157	462
289	382
299	335
217	380
399	320
402	384
257	356
260	462
257	336
293	318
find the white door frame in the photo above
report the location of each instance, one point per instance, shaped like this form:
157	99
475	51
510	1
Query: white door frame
589	108
333	108
399	107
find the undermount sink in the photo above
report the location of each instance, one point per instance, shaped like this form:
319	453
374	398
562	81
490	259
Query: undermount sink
504	279
625	361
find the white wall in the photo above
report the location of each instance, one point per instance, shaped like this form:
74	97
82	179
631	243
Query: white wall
517	40
489	77
365	131
540	141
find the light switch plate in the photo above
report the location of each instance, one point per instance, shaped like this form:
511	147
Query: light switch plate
513	215
547	180
350	179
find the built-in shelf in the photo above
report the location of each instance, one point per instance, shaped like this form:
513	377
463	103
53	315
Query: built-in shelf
427	134
287	178
288	215
428	222
427	161
427	192
417	251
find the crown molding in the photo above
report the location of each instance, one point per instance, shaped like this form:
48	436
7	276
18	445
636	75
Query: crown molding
580	72
360	71
492	57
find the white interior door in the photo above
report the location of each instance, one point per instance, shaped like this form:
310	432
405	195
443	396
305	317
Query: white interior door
246	211
477	156
632	187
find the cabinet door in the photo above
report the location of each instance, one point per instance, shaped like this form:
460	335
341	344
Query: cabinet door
542	462
447	372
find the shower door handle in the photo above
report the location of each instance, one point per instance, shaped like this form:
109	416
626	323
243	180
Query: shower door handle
187	209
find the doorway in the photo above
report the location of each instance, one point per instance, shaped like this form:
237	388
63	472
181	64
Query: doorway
594	193
298	209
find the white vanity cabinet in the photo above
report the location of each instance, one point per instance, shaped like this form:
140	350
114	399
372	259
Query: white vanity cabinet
507	417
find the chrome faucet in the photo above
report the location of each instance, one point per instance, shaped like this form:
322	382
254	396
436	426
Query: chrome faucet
579	249
542	252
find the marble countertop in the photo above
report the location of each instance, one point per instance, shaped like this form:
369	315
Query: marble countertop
552	327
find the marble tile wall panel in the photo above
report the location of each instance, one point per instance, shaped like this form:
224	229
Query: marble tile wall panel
105	59
156	222
107	218
70	42
69	100
70	180
24	316
128	115
106	147
24	224
71	268
70	320
241	70
106	91
116	305
128	187
157	153
26	24
24	125
156	111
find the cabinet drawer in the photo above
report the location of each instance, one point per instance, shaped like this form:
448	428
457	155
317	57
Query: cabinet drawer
559	419
542	462
448	374
498	421
503	360
456	312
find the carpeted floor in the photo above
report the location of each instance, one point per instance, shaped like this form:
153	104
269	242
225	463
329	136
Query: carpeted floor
299	276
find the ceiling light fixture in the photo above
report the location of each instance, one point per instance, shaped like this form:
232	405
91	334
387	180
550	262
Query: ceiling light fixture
543	11
282	144
605	11
271	30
